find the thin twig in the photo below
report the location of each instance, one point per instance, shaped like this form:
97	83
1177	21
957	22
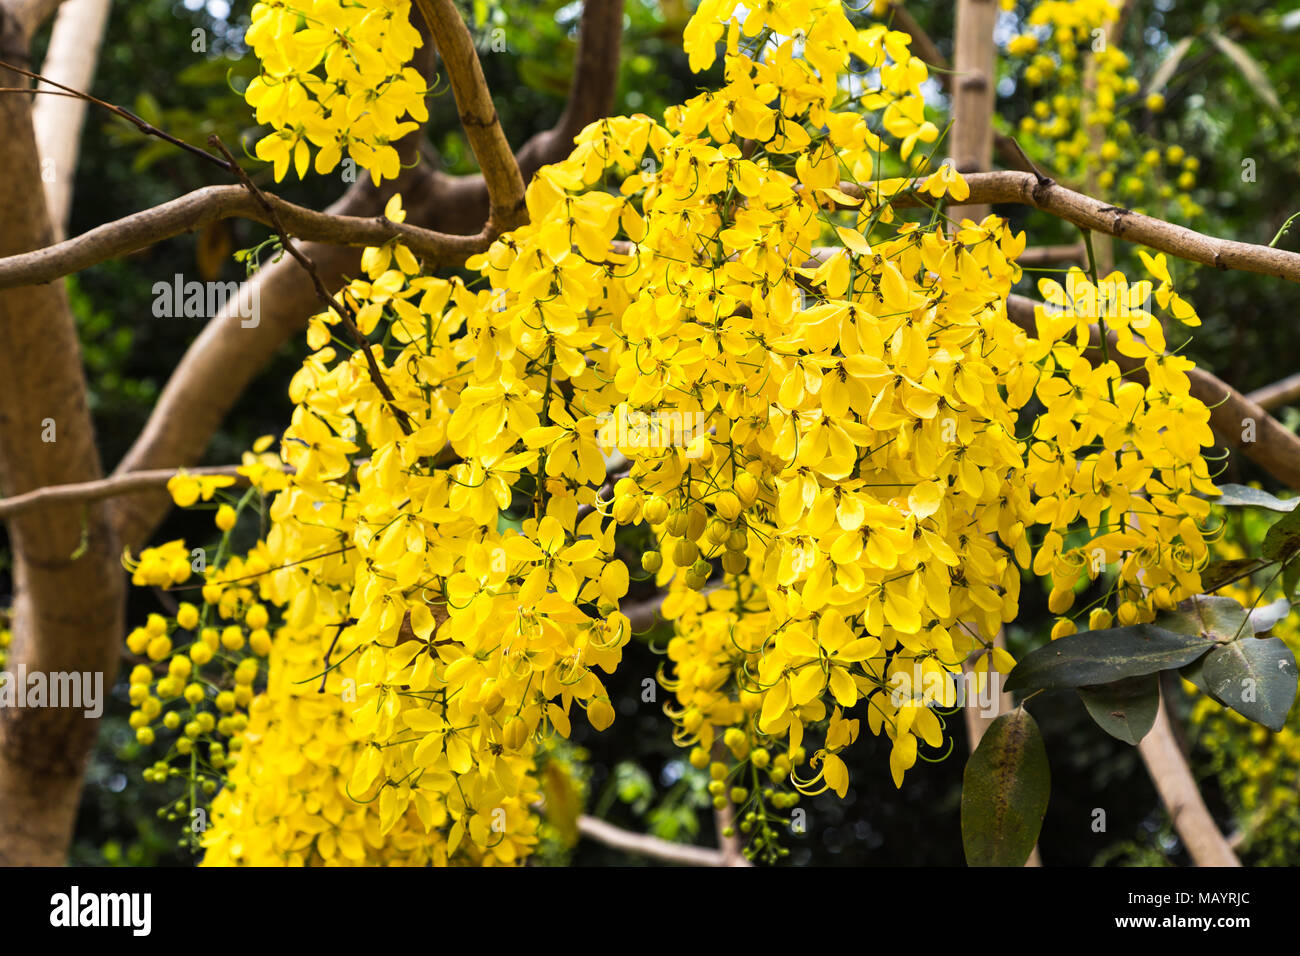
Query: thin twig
228	165
340	306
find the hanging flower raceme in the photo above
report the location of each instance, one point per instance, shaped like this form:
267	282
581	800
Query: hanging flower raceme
720	327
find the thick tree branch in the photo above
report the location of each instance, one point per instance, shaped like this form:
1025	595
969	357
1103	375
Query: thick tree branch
67	612
1026	189
970	138
212	203
31	14
70	60
478	114
1278	394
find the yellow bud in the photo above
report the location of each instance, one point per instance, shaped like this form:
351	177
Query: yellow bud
187	616
1063	628
225	519
515	733
600	713
746	489
727	505
1060	600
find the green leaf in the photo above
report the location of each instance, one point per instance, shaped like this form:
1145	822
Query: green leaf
1219	573
1212	617
1249	68
1004	792
1290	578
1102	657
1247	497
1283	538
1256	677
1125	709
1194	673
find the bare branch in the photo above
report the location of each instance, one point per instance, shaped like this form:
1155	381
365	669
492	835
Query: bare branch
970	138
212	203
648	846
1026	189
142	125
71	58
1181	796
339	306
478	115
1278	394
1039	255
112	487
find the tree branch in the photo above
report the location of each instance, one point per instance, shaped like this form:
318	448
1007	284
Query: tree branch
1278	394
478	115
70	59
970	138
1182	798
1039	255
339	306
212	203
648	846
111	487
1026	189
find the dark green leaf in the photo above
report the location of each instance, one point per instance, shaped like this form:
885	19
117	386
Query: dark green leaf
1219	573
1004	792
1246	496
1195	674
1125	709
1101	657
1283	538
1209	616
1256	677
1290	578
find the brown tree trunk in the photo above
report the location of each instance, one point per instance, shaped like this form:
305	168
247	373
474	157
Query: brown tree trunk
67	612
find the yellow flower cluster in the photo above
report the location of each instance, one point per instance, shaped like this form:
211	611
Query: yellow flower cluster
335	81
718	327
1067	48
162	567
1122	454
